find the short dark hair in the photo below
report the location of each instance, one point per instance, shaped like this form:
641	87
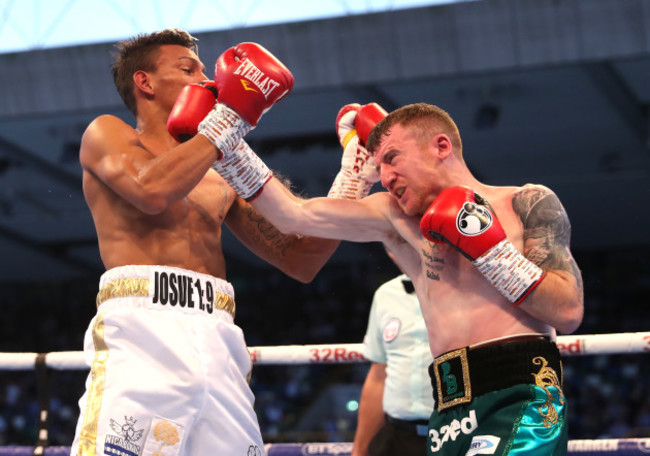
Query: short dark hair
139	53
428	118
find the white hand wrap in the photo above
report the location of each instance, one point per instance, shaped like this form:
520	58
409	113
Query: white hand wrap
224	127
509	271
358	173
243	170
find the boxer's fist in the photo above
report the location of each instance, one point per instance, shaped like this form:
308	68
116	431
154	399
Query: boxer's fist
250	80
463	219
369	116
354	119
194	102
358	171
345	119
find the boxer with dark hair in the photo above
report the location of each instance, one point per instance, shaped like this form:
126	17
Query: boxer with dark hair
169	368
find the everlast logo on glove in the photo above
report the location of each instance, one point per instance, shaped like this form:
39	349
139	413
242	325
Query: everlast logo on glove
248	70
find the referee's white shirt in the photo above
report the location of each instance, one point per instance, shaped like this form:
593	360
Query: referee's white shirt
396	336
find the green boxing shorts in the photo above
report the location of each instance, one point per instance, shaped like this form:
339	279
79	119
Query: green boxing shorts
502	398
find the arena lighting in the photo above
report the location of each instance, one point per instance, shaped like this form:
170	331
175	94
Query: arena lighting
352	406
61	23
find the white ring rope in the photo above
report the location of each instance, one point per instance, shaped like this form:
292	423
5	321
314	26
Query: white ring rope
575	345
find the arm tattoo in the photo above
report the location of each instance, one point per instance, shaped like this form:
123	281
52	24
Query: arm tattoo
272	238
547	230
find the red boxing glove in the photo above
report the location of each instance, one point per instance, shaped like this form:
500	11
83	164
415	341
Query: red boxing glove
345	123
250	80
369	116
358	171
462	218
356	120
192	105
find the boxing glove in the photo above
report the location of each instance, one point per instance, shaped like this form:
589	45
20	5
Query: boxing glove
194	102
359	170
369	116
463	219
249	80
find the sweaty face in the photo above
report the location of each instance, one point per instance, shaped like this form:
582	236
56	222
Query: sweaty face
176	67
406	169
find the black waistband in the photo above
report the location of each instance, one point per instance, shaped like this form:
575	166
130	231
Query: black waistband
409	425
460	375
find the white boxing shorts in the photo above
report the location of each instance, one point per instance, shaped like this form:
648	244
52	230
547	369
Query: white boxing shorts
168	369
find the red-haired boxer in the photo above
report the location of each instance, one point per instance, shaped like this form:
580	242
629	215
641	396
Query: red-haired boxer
169	368
495	281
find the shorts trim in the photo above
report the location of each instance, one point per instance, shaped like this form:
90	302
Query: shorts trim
460	375
167	287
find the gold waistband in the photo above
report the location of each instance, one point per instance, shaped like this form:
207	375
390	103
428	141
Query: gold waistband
128	287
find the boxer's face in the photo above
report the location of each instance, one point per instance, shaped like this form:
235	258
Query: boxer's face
406	169
176	66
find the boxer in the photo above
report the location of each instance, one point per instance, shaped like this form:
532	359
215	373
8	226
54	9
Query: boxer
169	368
496	281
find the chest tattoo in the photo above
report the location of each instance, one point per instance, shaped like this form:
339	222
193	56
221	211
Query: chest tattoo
433	263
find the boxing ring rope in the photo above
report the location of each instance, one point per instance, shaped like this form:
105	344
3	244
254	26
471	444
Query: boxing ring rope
574	345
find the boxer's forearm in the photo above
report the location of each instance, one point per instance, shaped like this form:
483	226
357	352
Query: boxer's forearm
331	218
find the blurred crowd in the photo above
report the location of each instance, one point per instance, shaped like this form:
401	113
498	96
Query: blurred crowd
609	394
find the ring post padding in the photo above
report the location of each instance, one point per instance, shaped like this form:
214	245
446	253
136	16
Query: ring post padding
43	391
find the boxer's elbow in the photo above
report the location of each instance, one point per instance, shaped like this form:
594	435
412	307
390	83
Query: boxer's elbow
307	256
152	202
302	275
564	294
571	318
304	272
